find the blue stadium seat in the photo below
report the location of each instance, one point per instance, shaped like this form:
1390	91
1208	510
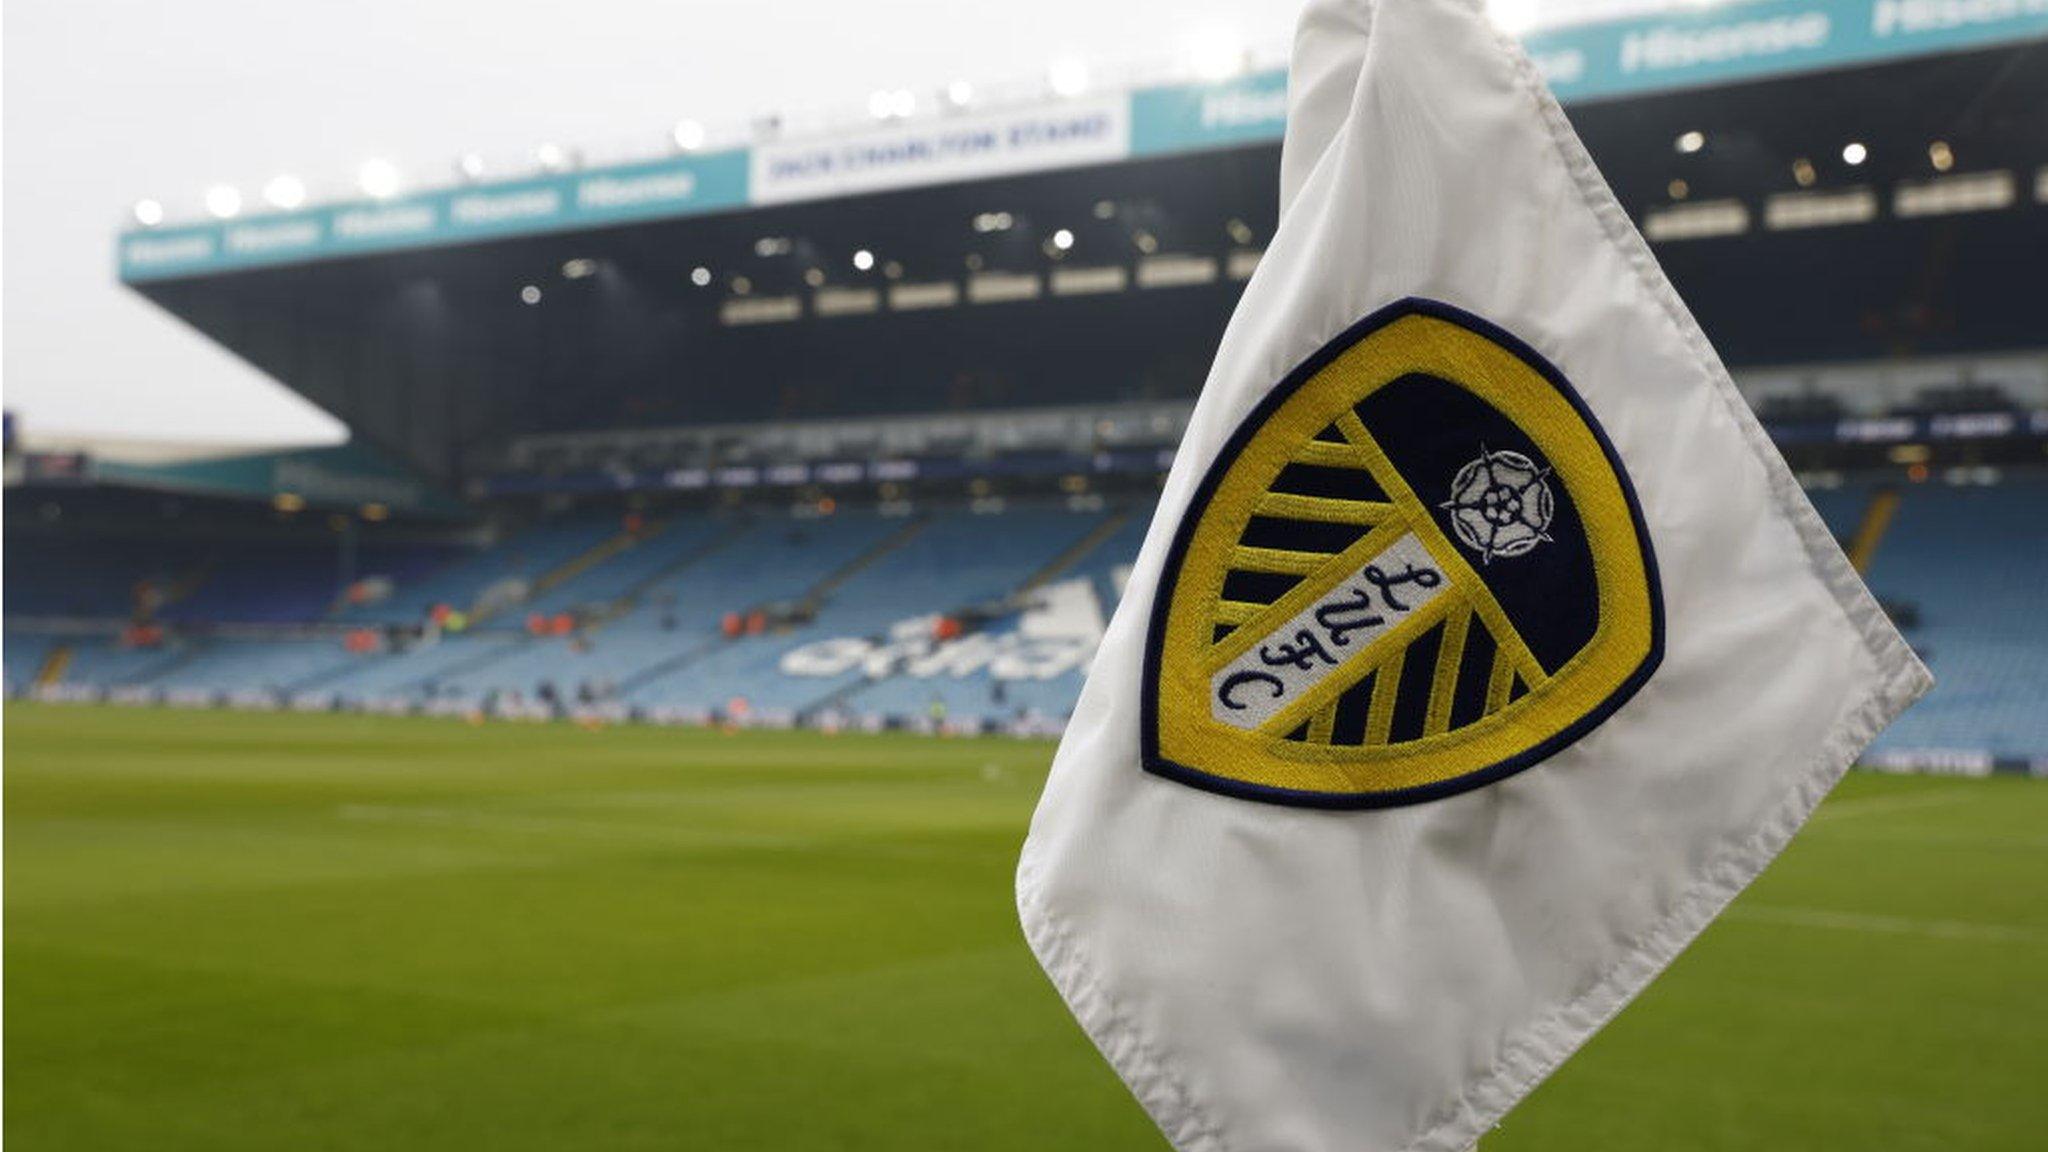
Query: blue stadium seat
1966	560
1971	561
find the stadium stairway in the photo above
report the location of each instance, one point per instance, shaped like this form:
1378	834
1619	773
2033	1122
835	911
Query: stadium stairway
671	642
1871	528
1841	507
1074	553
605	598
968	692
817	595
523	555
605	587
1019	552
54	663
579	560
812	564
563	585
23	657
632	601
703	551
809	603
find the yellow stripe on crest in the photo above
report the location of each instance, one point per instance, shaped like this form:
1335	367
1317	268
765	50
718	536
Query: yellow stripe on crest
1325	509
1278	560
1330	455
1501	680
1449	656
1322	725
1233	612
1386	684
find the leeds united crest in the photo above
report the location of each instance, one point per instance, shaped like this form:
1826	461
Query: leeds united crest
1417	567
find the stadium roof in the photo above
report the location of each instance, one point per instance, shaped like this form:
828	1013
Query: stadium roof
1114	231
1595	61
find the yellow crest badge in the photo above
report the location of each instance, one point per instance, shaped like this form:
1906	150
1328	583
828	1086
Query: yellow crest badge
1416	568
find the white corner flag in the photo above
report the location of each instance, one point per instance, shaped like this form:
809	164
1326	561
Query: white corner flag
1482	649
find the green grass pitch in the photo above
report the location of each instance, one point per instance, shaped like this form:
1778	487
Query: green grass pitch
230	932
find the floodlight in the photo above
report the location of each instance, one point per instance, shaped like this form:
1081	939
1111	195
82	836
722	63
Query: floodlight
285	192
223	200
378	179
1068	76
1216	55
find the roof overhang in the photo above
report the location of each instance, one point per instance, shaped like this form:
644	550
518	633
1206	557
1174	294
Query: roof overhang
1589	62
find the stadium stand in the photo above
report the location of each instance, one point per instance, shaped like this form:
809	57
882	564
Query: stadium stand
25	657
286	583
795	459
85	578
523	561
246	581
1957	565
1969	560
974	615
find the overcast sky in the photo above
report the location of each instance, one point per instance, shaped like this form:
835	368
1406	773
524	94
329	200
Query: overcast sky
110	101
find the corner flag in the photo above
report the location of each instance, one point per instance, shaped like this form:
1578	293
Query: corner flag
1482	649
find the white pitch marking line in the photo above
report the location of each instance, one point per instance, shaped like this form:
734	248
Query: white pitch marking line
1878	805
556	825
1887	925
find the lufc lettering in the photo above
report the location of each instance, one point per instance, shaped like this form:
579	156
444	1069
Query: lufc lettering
1336	622
1346	618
